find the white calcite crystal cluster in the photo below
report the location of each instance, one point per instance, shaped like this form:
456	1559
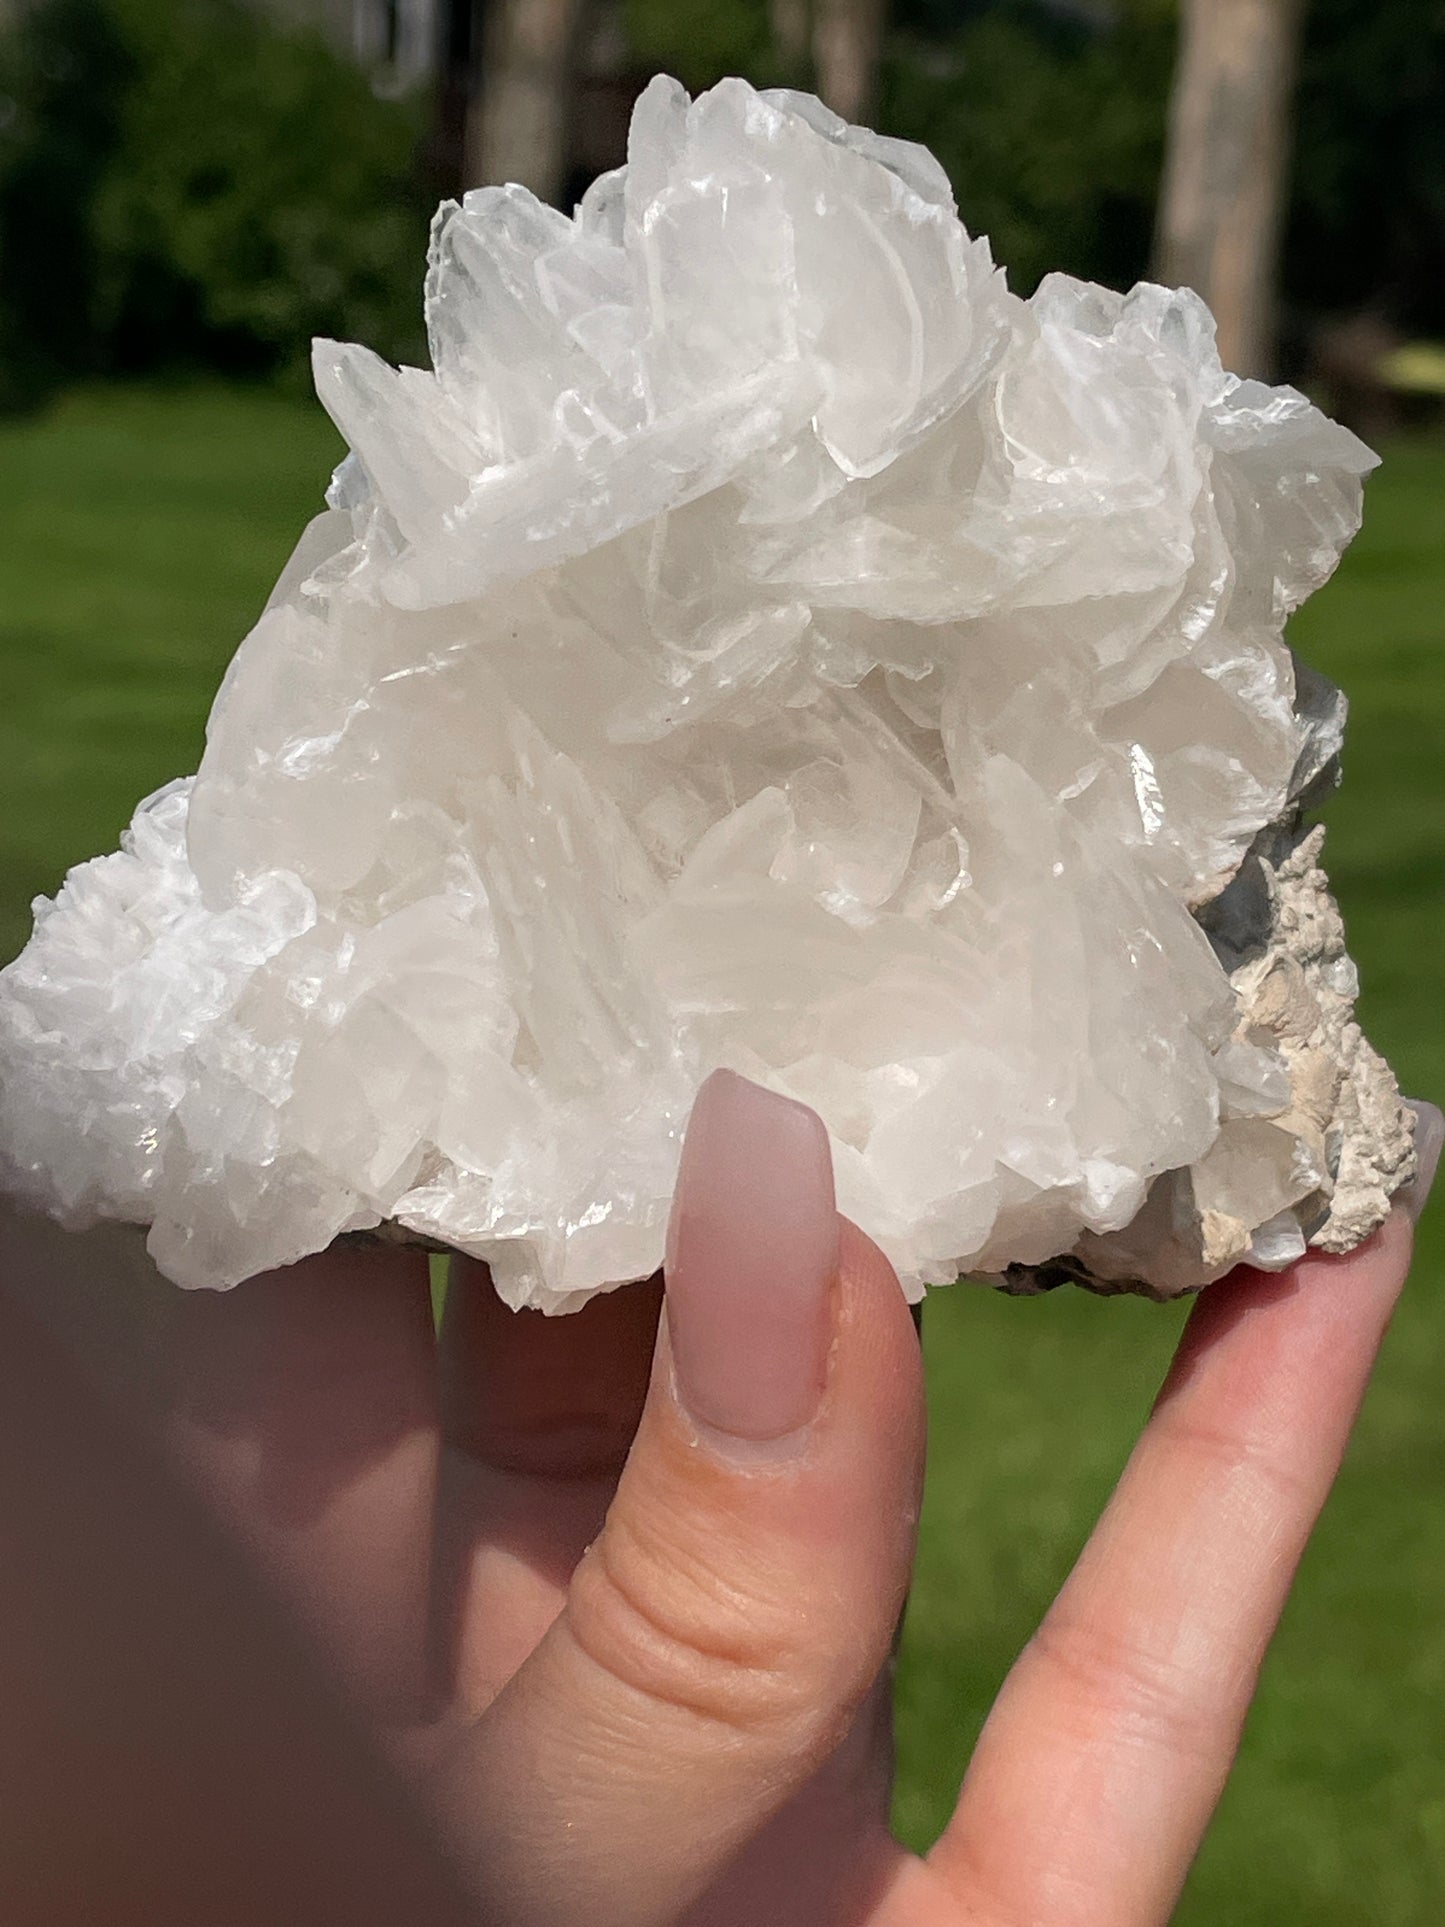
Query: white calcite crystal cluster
760	640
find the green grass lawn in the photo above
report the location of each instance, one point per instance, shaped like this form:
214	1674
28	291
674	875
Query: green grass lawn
139	534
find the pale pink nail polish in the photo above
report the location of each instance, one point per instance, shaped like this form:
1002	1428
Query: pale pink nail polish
1429	1136
752	1255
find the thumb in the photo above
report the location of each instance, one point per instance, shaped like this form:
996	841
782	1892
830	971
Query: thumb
723	1631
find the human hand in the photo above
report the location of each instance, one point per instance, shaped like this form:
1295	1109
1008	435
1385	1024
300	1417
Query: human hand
622	1605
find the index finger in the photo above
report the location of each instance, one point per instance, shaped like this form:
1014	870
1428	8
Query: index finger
1107	1750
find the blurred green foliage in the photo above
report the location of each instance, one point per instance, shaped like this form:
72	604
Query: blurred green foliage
700	41
1051	127
183	182
1368	217
1049	116
65	71
1050	121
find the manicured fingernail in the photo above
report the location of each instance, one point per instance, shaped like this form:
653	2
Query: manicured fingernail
752	1255
1429	1136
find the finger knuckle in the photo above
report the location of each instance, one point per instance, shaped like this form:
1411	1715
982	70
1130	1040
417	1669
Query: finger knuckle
669	1623
1114	1682
1254	1466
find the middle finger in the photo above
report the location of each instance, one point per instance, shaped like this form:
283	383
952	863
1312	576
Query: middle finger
537	1417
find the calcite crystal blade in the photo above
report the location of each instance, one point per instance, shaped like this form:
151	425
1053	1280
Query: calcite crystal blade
761	640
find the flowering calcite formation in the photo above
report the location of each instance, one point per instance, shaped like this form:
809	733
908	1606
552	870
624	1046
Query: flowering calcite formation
760	640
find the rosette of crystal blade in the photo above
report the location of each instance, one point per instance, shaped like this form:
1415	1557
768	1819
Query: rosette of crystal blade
759	640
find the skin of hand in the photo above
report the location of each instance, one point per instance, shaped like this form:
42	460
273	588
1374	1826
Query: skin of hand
619	1593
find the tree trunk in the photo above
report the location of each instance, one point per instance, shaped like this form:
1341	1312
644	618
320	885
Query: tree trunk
1225	171
847	43
518	119
791	25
